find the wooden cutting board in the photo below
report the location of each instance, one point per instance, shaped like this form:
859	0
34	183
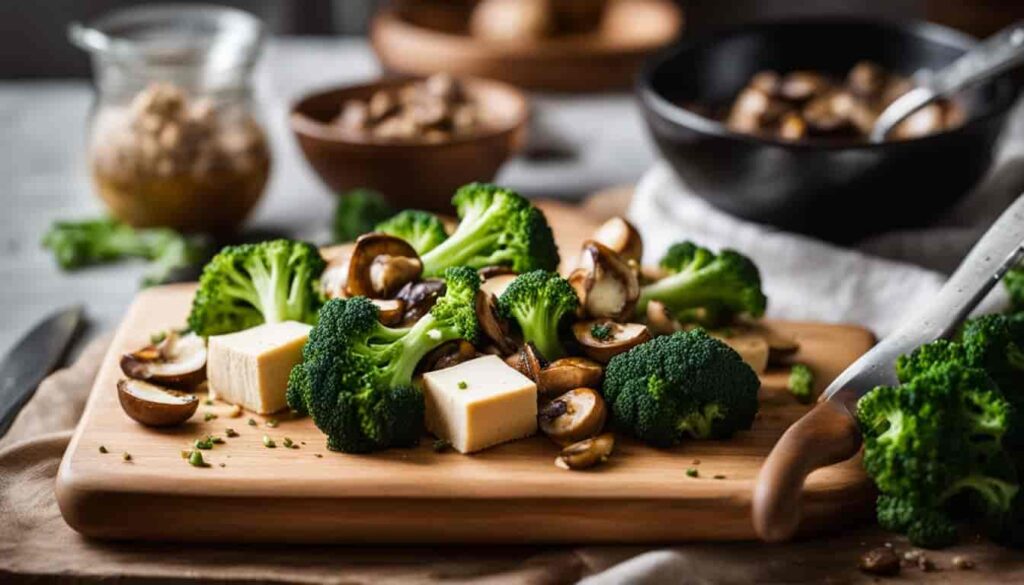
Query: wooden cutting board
509	494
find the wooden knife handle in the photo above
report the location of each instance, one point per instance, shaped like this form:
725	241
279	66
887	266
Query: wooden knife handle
826	435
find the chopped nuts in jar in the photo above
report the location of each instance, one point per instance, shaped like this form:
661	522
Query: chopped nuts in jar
433	110
173	160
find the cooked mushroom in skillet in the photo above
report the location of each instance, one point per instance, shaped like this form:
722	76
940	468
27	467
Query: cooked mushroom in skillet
602	339
576	415
621	237
177	361
154	405
381	265
605	283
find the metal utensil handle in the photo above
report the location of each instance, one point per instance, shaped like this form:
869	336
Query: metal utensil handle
997	251
993	56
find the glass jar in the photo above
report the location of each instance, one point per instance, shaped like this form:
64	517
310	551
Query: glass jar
174	139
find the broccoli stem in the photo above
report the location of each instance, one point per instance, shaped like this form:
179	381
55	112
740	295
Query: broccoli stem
416	344
473	235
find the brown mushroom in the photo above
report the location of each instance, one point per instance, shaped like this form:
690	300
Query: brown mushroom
802	85
177	361
528	361
420	297
607	286
586	453
567	373
621	237
867	79
447	355
602	339
497	284
497	270
494	327
154	405
751	345
780	345
335	276
381	265
659	321
576	415
389	311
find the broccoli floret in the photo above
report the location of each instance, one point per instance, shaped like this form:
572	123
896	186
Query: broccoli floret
355	378
497	227
600	331
801	383
539	302
1014	283
250	284
932	439
85	243
684	384
356	214
705	287
424	231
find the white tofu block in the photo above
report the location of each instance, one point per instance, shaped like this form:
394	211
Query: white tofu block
497	404
250	368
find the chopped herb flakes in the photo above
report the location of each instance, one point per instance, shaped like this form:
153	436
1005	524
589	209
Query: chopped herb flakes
205	444
441	445
195	459
463	385
692	472
103	450
268	442
126	456
288	444
252	422
601	331
230	433
272	423
208	416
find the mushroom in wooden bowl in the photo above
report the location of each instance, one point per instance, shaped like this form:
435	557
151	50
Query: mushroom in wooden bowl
415	141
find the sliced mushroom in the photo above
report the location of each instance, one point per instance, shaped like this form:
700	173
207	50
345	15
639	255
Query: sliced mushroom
381	265
178	361
586	453
568	373
528	361
389	311
576	415
419	298
498	270
497	284
780	345
447	355
620	236
335	276
154	405
659	321
605	283
494	327
602	339
751	346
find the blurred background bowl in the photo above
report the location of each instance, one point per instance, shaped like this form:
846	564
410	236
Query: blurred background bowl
420	38
416	175
839	192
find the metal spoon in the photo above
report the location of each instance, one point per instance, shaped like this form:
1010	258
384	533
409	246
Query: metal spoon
993	56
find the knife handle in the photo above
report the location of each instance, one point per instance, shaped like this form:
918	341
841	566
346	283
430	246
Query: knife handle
824	436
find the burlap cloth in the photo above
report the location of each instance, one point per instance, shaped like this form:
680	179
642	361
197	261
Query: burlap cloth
36	544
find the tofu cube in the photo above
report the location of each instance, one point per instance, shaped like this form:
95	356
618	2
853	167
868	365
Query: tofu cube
480	403
250	368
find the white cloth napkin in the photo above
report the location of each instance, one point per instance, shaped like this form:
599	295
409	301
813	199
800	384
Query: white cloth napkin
807	279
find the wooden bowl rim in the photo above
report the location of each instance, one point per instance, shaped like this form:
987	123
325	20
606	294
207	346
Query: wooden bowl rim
387	21
304	125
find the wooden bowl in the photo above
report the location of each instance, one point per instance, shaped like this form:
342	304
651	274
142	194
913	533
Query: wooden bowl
410	174
418	43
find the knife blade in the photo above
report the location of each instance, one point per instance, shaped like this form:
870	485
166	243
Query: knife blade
32	359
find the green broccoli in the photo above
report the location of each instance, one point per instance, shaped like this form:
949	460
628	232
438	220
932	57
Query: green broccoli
424	231
934	442
600	331
801	383
497	227
704	287
356	214
539	301
355	378
77	244
1013	280
250	284
684	384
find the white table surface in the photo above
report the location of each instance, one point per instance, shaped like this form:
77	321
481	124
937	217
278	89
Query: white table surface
42	132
